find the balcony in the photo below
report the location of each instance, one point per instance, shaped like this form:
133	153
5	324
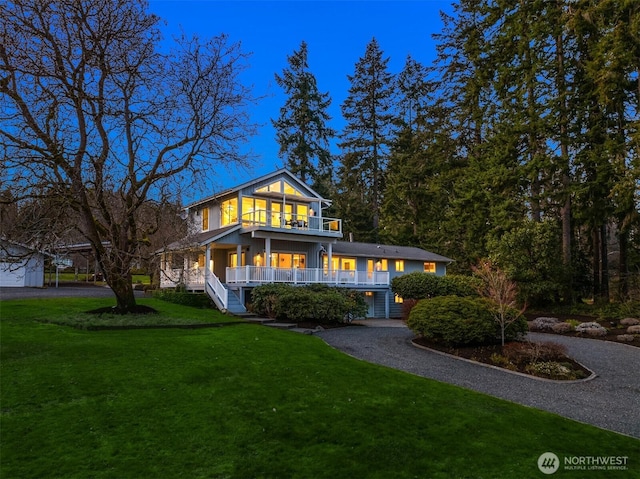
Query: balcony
263	274
292	222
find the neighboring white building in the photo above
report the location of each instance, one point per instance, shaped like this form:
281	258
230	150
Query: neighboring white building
20	267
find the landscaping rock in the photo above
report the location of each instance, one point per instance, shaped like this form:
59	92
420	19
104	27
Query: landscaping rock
543	323
592	329
561	328
633	329
627	338
629	321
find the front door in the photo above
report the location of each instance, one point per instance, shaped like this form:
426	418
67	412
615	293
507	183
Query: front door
369	300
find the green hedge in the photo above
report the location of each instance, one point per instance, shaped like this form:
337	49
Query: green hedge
420	285
459	321
197	300
307	303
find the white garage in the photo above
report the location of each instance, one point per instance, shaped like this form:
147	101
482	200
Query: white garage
20	267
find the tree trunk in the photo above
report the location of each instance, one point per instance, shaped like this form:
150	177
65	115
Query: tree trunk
623	266
604	265
596	263
122	287
565	210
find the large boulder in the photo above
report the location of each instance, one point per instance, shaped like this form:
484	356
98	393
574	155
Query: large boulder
543	324
591	329
629	321
633	329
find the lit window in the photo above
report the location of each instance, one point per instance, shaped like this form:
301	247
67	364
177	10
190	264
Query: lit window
398	299
229	212
382	265
254	211
279	186
205	219
399	265
429	267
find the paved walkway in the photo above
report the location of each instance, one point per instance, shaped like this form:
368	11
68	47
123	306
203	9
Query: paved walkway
610	401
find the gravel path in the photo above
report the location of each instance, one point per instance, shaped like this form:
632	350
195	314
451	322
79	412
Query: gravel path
610	401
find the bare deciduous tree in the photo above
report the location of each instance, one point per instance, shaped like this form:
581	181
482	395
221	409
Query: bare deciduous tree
94	109
503	293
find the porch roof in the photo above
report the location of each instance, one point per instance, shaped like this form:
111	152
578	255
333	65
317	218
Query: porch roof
201	239
372	250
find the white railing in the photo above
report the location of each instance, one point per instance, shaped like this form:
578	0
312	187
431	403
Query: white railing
263	274
290	221
216	290
190	278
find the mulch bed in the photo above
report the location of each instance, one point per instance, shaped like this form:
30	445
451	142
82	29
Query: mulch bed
483	354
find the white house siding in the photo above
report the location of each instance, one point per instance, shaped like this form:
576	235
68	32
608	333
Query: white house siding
26	273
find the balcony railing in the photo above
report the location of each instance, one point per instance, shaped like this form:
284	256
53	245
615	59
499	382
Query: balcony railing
264	274
277	219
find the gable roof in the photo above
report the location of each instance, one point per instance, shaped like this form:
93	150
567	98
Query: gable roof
282	171
372	250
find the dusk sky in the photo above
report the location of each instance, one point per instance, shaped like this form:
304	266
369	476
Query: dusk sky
336	32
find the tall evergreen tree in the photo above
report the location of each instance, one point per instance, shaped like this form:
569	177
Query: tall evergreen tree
421	168
463	69
365	143
301	128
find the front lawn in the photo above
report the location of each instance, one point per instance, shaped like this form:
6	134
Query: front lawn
250	401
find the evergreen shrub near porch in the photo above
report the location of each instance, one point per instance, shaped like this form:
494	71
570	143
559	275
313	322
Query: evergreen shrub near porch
420	285
177	296
308	303
458	321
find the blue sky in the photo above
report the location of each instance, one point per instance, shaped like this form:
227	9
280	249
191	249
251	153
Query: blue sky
336	33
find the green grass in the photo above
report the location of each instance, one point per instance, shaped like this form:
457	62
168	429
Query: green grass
249	401
72	312
82	277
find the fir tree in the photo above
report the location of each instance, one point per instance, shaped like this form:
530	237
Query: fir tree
302	130
366	139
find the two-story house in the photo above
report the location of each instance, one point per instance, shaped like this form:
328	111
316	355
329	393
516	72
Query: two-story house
273	229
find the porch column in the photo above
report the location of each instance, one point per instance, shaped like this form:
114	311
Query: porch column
267	257
329	261
386	304
207	262
267	252
239	255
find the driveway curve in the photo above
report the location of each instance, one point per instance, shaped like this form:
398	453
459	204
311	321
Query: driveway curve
610	401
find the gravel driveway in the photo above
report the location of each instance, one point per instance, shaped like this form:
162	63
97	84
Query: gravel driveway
610	401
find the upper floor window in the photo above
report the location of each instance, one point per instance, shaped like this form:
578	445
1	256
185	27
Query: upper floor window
429	267
229	212
254	211
279	186
399	265
205	219
382	265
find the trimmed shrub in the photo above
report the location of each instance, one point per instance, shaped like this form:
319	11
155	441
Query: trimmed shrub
308	303
426	285
459	321
265	299
453	321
